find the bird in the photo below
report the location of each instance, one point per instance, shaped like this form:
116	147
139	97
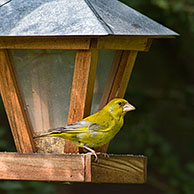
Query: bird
96	129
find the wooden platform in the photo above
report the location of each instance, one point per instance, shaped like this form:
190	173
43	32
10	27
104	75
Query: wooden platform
73	168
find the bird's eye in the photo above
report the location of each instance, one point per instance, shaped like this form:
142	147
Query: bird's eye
120	103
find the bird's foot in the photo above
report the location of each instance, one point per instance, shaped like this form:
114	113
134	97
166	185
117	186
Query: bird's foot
103	154
92	152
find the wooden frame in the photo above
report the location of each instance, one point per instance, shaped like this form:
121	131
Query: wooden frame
130	169
44	43
137	43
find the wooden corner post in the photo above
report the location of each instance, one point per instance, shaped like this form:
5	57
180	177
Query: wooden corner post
118	80
14	106
82	89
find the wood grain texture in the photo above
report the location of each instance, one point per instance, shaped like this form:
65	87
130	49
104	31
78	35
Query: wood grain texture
114	68
118	81
88	167
123	43
83	85
82	88
45	167
119	76
14	106
73	168
44	43
120	169
123	74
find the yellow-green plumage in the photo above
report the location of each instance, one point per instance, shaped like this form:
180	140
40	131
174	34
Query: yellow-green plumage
97	129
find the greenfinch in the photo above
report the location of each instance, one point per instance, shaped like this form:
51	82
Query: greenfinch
97	129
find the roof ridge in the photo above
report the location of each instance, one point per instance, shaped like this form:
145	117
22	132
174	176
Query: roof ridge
104	24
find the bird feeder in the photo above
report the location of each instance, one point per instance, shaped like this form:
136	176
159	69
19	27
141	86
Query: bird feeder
60	60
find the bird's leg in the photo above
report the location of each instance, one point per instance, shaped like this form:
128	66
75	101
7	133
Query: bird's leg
92	151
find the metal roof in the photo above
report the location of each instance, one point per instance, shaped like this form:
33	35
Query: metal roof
74	17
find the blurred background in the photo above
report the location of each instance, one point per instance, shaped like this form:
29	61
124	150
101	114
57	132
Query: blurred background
162	127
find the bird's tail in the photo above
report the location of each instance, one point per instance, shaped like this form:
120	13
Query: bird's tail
52	132
43	135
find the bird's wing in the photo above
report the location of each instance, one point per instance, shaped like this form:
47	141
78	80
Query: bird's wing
79	124
77	127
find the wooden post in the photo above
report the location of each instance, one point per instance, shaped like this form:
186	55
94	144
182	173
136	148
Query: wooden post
123	74
119	76
107	91
118	80
82	89
14	106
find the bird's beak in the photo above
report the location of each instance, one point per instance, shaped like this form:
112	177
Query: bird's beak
128	107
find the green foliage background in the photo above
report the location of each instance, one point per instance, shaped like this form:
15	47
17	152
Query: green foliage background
162	127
